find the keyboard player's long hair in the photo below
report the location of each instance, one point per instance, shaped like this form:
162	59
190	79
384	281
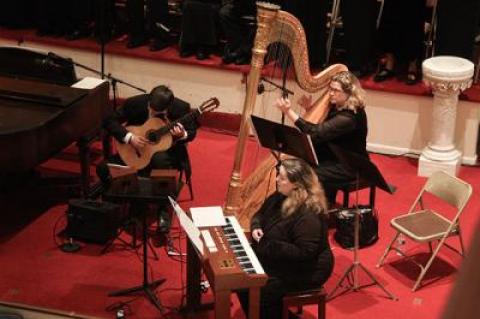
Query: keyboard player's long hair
307	191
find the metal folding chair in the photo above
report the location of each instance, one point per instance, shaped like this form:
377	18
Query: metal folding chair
426	225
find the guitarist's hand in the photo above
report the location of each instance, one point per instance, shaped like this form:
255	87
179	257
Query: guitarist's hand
138	142
178	131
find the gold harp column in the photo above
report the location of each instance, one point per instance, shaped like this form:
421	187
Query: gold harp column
266	13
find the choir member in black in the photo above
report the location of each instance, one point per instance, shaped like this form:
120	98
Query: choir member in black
290	237
17	14
71	19
345	126
458	23
156	16
162	103
401	39
358	18
199	34
237	29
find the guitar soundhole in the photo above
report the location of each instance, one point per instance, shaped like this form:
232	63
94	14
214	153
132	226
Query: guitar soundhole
152	137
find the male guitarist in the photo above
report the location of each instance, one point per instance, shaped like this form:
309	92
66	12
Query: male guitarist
136	111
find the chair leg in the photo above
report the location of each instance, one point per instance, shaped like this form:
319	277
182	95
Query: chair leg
321	309
346	198
387	250
372	196
429	263
190	188
460	238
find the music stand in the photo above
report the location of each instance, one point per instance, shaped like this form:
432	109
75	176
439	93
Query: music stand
139	194
284	139
366	170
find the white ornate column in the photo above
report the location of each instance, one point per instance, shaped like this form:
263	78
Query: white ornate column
447	76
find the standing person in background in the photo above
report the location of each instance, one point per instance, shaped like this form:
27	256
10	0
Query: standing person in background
401	39
345	127
238	34
156	28
290	238
199	30
457	26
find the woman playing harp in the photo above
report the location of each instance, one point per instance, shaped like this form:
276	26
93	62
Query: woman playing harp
273	25
345	126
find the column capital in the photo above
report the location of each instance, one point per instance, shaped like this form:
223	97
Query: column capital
447	74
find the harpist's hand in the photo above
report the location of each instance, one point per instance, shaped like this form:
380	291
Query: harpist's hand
257	234
305	102
283	104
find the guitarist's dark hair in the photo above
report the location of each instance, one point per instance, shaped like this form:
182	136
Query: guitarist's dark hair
161	97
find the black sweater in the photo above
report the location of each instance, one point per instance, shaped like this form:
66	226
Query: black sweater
295	248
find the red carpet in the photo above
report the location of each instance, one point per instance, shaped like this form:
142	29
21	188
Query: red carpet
117	46
34	271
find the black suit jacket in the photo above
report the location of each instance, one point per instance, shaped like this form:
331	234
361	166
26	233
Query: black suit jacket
135	112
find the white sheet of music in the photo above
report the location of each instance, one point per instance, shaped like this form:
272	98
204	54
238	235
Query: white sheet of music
209	216
190	229
88	83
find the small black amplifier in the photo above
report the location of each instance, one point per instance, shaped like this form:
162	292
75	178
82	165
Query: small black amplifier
92	221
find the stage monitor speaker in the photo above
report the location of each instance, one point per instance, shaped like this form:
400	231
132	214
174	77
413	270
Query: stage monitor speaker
92	221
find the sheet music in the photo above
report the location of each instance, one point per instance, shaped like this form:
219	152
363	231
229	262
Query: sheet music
190	229
88	83
209	216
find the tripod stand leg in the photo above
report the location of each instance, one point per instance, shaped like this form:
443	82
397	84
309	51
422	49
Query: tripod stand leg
345	275
376	282
154	300
143	287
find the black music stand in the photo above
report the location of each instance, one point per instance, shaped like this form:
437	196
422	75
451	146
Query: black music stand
139	194
284	139
367	171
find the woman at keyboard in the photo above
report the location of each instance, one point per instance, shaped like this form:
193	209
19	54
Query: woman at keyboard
290	237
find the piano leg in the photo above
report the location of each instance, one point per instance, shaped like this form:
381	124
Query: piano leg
254	303
83	145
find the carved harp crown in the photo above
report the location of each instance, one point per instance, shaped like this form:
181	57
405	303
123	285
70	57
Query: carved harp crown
273	25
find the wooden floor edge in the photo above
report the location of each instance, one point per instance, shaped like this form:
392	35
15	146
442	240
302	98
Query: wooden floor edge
33	312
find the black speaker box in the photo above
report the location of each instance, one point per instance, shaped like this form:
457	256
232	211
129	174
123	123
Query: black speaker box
92	221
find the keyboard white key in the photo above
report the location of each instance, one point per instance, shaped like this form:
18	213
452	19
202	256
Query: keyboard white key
241	247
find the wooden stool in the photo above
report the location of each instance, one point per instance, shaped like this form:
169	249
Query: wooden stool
347	188
306	297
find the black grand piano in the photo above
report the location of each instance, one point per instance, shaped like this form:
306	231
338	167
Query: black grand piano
41	114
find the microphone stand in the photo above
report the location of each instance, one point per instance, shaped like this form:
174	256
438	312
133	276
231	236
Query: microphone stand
278	86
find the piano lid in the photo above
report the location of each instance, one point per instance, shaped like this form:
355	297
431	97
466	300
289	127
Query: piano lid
26	105
39	93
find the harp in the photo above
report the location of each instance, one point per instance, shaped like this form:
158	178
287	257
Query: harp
246	195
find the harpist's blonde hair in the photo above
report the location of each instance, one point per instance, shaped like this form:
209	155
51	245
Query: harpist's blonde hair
307	189
351	85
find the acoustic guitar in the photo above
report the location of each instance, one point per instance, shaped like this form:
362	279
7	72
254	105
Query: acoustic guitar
157	132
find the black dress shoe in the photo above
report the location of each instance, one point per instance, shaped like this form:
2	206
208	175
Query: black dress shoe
158	44
412	78
202	54
243	59
383	75
230	57
135	42
185	53
77	34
